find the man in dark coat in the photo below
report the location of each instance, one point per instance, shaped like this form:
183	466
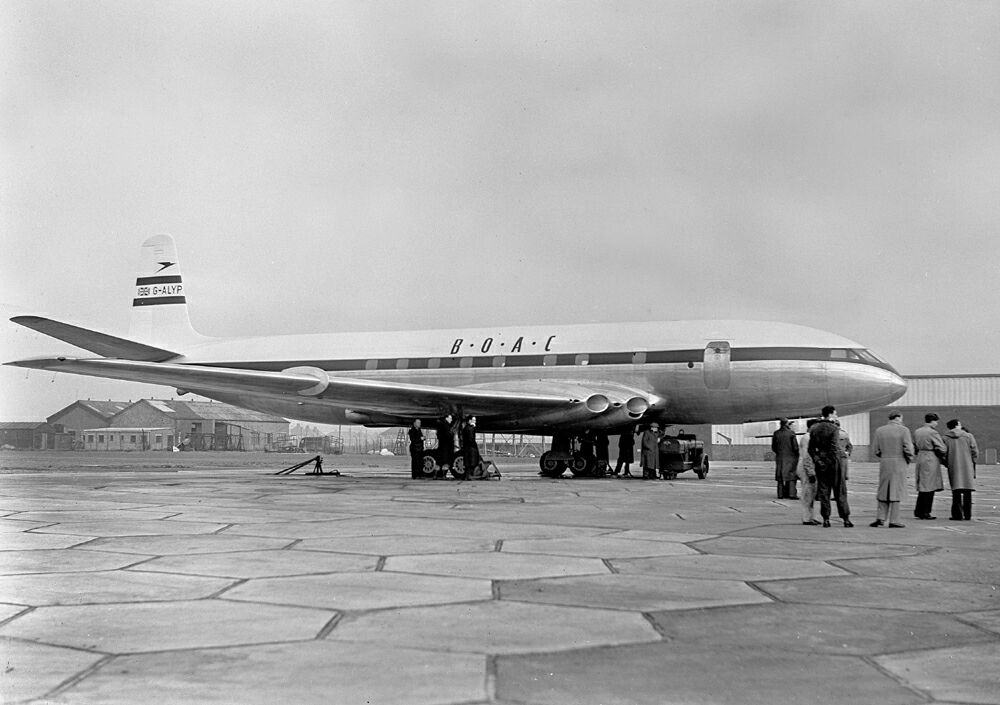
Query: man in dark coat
962	455
824	439
446	444
626	451
786	459
893	446
470	449
416	450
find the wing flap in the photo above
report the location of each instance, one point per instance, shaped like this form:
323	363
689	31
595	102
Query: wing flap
95	342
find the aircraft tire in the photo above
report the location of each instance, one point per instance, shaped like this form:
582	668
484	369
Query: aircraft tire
580	466
550	466
429	467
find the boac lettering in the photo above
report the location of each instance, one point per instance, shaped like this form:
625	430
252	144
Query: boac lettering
457	346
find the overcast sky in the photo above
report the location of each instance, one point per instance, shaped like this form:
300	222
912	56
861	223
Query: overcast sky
328	166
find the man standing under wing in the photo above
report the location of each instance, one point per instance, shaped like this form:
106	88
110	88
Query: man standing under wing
894	448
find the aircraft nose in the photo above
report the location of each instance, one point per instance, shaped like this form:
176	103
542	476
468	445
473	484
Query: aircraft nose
895	386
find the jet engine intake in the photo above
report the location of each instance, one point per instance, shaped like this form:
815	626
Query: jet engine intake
322	380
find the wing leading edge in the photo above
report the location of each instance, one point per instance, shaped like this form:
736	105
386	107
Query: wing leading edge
559	402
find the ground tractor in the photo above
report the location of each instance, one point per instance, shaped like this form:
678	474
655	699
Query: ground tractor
682	453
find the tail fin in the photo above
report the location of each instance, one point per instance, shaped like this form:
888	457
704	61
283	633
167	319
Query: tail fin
159	308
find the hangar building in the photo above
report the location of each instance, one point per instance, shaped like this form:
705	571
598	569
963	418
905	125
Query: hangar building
974	399
81	415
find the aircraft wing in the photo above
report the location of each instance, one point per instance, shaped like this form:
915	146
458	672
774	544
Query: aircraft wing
537	400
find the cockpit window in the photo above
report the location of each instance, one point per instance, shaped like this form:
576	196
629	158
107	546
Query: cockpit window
868	357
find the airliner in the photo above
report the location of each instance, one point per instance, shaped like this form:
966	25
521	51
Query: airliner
557	380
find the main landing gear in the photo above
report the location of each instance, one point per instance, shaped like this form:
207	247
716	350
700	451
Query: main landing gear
567	454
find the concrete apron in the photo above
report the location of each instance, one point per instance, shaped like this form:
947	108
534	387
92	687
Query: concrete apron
218	585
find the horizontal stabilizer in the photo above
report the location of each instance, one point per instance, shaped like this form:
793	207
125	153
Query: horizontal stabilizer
99	343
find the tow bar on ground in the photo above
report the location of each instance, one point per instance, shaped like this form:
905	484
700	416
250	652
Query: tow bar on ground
317	468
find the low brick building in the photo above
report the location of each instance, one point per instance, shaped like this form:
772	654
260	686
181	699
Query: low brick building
81	415
28	435
201	425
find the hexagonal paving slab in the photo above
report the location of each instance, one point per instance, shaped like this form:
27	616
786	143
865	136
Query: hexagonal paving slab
640	593
159	626
671	674
398	545
29	541
261	564
116	586
32	670
675	536
939	564
496	566
888	593
967	674
60	561
986	620
130	527
726	567
815	629
309	673
597	547
362	591
812	549
182	545
497	627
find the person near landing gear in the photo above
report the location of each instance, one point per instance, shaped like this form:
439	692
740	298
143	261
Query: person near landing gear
786	459
931	452
824	439
962	455
470	448
626	451
650	451
416	450
893	445
446	446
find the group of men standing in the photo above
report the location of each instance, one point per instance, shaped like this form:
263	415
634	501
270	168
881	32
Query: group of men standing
448	429
820	460
896	448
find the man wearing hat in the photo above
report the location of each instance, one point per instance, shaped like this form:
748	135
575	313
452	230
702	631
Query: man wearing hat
650	451
893	445
931	451
786	459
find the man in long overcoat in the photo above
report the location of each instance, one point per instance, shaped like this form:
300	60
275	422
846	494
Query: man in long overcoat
416	450
446	444
626	451
786	459
931	450
824	439
650	452
470	448
962	455
893	445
